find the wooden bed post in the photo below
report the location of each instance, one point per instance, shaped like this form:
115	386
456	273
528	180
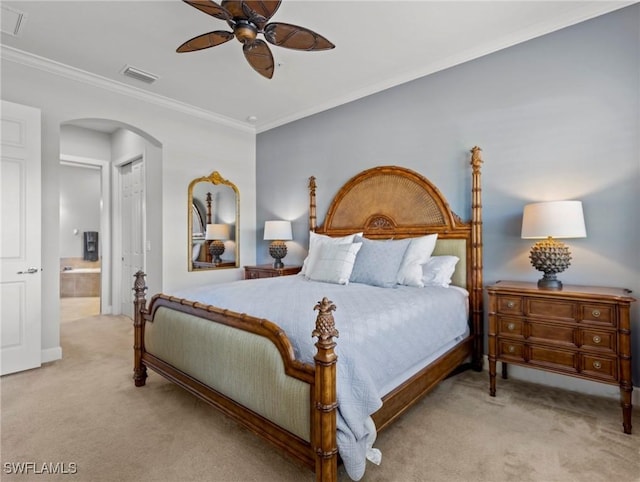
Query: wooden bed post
312	203
325	400
207	244
476	259
139	304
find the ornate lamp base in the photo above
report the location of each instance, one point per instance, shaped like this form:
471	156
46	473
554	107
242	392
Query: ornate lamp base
551	257
549	283
216	248
278	250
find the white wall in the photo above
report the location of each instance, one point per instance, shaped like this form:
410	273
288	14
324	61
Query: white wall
87	143
79	208
190	147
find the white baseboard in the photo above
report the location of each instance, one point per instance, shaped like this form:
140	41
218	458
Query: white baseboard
562	381
51	354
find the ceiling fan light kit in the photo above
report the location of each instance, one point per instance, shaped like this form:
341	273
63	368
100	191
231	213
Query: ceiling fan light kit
247	19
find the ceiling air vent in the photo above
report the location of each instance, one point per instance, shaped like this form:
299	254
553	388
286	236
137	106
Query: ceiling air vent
138	74
12	20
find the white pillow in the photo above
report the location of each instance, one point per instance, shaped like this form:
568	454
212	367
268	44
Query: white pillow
334	263
315	240
439	270
195	252
417	254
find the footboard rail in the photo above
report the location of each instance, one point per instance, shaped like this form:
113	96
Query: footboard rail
317	450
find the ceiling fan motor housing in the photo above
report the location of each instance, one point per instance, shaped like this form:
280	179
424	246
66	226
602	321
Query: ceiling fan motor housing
245	30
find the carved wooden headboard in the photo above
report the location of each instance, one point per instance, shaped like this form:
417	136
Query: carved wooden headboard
389	201
395	202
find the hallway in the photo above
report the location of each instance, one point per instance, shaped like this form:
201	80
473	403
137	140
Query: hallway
76	308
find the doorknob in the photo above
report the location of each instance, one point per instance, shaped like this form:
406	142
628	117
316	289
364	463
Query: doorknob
29	271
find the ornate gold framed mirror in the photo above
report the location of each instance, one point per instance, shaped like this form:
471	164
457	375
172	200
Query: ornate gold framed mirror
213	211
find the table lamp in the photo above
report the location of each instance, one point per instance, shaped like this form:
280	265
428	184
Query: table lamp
549	221
216	234
278	232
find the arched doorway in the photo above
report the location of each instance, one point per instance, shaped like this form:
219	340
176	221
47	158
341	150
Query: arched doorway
127	225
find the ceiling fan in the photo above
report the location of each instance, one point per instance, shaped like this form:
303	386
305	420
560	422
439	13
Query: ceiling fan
247	19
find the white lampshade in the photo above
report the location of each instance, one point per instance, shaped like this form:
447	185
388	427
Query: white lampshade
217	231
558	219
278	230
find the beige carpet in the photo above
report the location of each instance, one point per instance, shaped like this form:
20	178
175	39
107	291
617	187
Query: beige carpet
85	410
75	308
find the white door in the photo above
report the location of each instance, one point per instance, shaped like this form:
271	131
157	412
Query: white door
20	241
132	229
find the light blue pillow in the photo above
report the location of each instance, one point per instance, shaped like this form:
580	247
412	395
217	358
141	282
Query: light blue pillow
378	262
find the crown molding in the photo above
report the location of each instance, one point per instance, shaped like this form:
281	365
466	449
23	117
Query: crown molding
27	59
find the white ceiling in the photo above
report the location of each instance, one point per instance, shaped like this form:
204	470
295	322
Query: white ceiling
379	44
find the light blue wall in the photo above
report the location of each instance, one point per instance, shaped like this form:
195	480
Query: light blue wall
557	118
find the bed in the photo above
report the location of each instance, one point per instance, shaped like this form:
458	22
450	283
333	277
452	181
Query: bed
276	367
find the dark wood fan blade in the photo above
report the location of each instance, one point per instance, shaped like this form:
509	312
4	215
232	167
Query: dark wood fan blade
259	57
294	37
260	11
234	7
205	41
210	8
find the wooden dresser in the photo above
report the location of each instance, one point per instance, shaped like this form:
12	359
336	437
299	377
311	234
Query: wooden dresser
581	331
268	271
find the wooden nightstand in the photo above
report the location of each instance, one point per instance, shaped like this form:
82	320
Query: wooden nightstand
204	264
268	271
581	331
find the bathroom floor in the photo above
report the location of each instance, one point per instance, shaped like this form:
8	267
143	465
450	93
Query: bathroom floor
76	308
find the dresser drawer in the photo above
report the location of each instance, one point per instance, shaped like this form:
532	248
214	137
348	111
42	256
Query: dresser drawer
253	274
511	327
594	313
551	309
550	333
268	271
597	340
556	359
259	273
510	305
599	367
510	350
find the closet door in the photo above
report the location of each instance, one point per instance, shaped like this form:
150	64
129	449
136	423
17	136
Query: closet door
132	229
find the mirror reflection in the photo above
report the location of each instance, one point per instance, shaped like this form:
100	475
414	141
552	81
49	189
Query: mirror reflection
213	211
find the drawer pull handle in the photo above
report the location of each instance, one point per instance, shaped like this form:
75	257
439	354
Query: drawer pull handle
511	326
597	365
597	339
596	313
511	304
511	349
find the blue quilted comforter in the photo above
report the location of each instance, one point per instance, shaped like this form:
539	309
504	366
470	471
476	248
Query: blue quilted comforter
385	333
